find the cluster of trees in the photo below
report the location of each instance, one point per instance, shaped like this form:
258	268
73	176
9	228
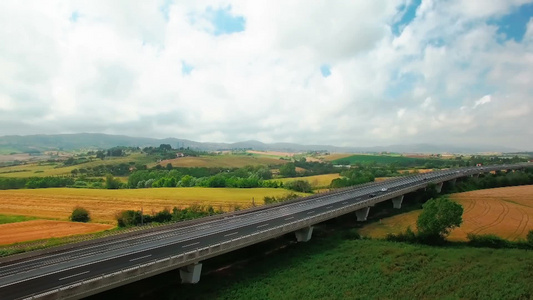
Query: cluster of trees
71	161
34	182
500	179
274	199
165	151
122	169
115	152
299	185
129	218
247	177
353	177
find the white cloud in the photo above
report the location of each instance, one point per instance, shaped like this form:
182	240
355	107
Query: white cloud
118	69
484	100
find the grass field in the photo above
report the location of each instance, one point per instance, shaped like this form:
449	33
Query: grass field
223	161
335	156
44	229
380	159
316	181
506	212
5	219
103	204
334	267
35	170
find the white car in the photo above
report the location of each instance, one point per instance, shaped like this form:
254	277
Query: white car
384	189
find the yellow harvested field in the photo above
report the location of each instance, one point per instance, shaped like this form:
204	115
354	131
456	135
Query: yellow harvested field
44	229
316	181
223	161
104	204
506	212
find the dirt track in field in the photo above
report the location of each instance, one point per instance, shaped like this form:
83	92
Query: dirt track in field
506	212
44	229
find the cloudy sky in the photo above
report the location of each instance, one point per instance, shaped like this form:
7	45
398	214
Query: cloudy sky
348	73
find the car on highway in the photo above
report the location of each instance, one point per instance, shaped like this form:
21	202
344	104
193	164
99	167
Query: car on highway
371	195
384	189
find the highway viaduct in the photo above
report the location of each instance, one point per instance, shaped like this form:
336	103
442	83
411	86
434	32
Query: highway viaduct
80	270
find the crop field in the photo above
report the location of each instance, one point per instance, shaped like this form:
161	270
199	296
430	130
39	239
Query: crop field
380	159
316	181
57	203
35	169
44	229
276	154
505	212
335	156
223	161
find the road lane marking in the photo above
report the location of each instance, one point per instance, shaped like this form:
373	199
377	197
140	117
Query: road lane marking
289	218
231	233
134	259
262	225
74	275
310	212
330	206
190	245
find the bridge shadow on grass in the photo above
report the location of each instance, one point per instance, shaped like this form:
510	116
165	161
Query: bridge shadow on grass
242	267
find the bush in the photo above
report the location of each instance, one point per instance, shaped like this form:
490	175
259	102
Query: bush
487	240
530	237
300	186
408	236
80	214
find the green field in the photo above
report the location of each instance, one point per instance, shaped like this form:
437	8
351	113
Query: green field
333	266
35	169
4	219
381	159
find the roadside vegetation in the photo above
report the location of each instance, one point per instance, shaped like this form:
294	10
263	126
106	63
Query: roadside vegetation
336	264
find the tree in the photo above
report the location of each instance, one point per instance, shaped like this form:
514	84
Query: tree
439	217
80	214
288	170
300	186
111	183
100	154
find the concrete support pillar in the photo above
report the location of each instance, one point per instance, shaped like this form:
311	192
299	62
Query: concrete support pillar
439	187
475	175
452	182
191	273
304	234
362	214
397	202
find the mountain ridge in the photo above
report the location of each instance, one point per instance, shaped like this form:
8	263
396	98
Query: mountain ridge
76	141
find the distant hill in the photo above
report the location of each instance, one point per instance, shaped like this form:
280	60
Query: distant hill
40	143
